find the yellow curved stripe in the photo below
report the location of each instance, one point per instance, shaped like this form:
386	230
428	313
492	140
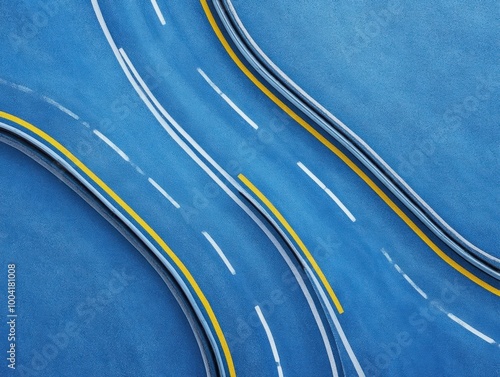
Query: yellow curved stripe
141	222
296	238
342	156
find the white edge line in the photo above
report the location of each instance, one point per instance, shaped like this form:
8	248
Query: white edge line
220	252
336	323
271	340
228	100
112	145
121	57
471	329
164	193
160	254
130	70
158	12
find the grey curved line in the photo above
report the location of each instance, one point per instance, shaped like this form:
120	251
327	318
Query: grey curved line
352	142
203	335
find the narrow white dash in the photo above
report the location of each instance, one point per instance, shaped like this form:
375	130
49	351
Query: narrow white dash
327	190
227	99
61	107
220	252
112	145
415	286
86	124
386	254
158	12
398	269
16	86
341	205
139	170
271	340
311	175
471	329
164	193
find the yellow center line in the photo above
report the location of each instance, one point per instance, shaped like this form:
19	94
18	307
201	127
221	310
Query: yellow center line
296	238
342	156
141	222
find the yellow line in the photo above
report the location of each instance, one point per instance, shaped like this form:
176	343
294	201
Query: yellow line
342	156
296	238
141	222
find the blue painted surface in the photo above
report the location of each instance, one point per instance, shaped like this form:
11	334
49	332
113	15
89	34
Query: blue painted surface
83	294
381	307
418	81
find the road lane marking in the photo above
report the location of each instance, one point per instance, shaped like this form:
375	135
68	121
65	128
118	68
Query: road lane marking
147	97
125	63
405	276
332	196
134	215
227	99
411	282
356	169
387	256
164	193
311	175
60	107
270	338
471	329
341	205
338	326
158	12
220	252
296	238
22	88
112	145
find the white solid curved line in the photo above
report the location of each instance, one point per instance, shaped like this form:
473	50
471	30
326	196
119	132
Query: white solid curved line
336	323
160	255
245	208
235	184
358	139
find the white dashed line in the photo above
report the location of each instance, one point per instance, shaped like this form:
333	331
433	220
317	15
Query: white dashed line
61	107
327	190
227	99
164	193
112	145
386	254
220	252
158	12
470	328
271	340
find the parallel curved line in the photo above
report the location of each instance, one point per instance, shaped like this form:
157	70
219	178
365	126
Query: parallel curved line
414	227
149	230
296	238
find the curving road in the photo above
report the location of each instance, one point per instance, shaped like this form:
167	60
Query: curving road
143	102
